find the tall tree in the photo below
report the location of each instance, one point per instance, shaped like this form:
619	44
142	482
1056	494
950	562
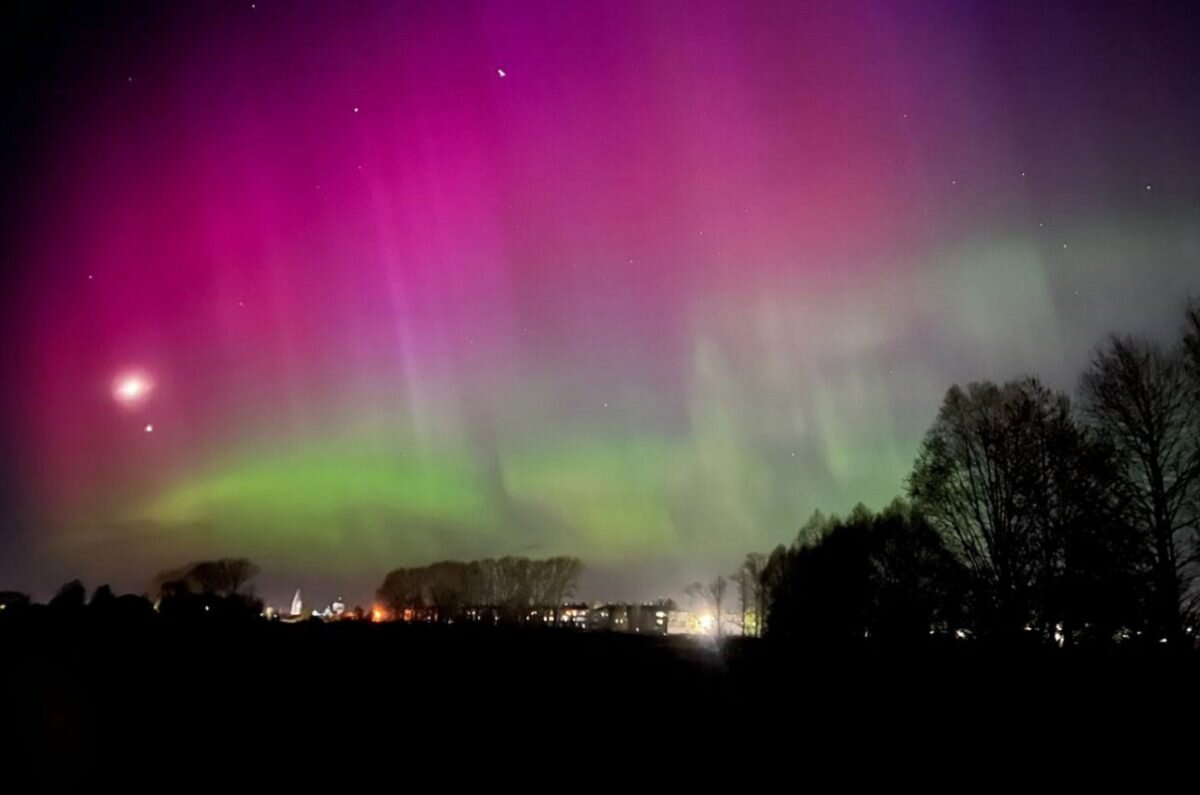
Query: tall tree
991	476
1144	399
749	579
71	596
886	576
916	583
713	595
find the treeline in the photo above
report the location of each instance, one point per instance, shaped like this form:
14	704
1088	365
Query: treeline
210	588
509	585
220	585
1029	516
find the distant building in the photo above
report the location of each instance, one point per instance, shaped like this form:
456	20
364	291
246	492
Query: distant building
297	605
639	618
574	616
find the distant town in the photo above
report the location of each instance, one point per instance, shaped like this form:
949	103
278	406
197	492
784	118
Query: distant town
660	617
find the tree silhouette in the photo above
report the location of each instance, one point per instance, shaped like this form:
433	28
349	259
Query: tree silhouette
888	577
712	595
1143	398
208	587
749	579
510	584
102	598
916	582
71	596
1006	474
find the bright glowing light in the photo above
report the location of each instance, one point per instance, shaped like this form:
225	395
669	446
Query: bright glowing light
707	622
502	73
131	389
149	428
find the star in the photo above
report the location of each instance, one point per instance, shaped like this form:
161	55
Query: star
1147	186
953	182
1064	245
1022	173
356	110
606	404
502	73
90	277
149	428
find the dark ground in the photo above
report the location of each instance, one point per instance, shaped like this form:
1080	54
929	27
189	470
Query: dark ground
82	696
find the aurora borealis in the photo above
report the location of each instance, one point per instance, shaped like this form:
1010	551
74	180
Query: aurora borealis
645	283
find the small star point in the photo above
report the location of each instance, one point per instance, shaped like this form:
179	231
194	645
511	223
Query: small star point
501	73
149	428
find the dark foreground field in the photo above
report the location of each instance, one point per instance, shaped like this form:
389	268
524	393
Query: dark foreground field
78	696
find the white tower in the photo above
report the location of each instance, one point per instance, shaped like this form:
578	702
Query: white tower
297	605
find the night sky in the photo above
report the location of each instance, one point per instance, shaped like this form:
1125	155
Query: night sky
344	286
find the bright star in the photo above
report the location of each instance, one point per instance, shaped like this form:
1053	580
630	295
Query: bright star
130	389
502	73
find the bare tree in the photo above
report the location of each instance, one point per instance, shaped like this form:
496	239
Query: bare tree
749	579
712	594
553	580
222	577
236	572
985	478
1143	398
